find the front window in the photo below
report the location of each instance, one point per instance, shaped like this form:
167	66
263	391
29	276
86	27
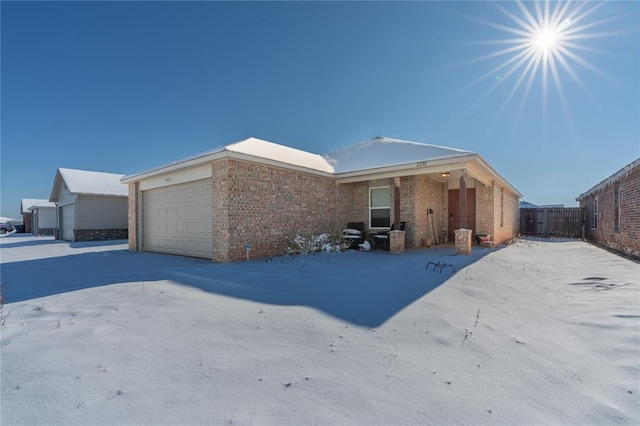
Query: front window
595	213
380	207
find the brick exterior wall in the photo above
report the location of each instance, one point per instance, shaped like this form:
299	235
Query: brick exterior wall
418	194
497	212
484	210
626	238
27	221
264	206
506	218
220	211
134	195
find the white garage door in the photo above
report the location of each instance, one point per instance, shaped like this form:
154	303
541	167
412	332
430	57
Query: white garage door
67	213
177	219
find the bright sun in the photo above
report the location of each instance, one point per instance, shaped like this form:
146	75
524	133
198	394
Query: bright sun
544	39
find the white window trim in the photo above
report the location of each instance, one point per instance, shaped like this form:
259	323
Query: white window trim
379	208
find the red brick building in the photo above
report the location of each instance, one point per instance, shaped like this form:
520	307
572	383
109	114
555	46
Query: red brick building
613	211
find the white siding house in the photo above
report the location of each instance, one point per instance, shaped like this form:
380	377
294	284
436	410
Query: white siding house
90	205
43	219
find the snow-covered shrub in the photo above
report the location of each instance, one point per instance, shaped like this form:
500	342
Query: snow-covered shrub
315	243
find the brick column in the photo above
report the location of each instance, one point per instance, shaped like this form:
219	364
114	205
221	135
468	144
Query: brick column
463	241
134	195
396	241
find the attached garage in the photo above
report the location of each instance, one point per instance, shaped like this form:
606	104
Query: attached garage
177	219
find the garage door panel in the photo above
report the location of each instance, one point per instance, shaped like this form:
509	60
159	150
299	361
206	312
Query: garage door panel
177	220
68	221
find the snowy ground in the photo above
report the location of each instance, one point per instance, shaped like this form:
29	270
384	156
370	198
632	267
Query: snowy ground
534	333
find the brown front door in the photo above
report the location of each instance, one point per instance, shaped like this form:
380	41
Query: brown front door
454	211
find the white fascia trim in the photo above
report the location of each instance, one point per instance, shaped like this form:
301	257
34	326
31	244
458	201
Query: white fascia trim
207	158
409	169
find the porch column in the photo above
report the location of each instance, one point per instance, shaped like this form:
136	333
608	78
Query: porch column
396	203
462	218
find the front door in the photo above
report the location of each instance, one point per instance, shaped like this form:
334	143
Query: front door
454	211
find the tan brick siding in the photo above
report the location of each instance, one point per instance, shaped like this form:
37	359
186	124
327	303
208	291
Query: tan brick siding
506	228
134	195
423	194
484	210
626	240
266	205
221	209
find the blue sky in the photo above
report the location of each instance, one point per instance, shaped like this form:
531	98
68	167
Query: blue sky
125	87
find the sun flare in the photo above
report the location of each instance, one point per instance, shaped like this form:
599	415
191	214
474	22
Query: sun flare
544	42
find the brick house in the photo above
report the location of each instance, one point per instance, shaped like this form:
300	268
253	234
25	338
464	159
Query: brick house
91	206
27	215
260	193
613	211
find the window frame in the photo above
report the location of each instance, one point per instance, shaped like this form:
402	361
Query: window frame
595	213
379	207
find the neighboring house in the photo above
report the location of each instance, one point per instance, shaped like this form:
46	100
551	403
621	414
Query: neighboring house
43	218
27	215
528	205
262	194
91	206
613	211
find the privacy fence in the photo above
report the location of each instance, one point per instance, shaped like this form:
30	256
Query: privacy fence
553	222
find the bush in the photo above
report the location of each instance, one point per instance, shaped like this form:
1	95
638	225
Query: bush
316	243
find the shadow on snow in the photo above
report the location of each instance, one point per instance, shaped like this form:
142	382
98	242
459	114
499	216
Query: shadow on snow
363	288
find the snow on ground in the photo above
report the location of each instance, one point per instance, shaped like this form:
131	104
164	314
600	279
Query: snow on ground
534	333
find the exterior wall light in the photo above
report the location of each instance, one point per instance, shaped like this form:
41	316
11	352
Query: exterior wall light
445	175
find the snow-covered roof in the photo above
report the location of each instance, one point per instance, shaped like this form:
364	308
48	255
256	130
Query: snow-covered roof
259	149
385	152
27	203
273	151
371	157
45	204
611	179
84	182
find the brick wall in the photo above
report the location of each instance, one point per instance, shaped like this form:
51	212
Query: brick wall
484	210
134	195
497	212
428	195
625	238
220	210
27	220
506	227
267	205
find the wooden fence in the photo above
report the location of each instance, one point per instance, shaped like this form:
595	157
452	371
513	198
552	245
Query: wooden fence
553	222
